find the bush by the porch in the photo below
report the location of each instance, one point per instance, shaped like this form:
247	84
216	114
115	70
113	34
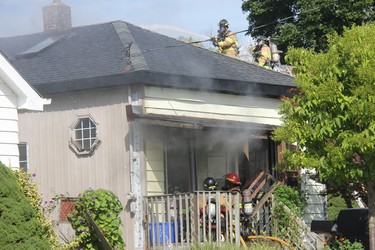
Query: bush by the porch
104	208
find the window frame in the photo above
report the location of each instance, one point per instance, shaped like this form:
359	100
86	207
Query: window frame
26	156
78	144
67	205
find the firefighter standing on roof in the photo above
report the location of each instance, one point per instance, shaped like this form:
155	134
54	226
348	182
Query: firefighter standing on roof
226	40
263	54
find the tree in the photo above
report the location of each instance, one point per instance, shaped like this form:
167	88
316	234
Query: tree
19	225
331	115
305	23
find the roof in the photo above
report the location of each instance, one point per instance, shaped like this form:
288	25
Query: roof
95	56
27	97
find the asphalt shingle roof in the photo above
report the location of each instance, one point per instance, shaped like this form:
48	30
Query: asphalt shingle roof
94	56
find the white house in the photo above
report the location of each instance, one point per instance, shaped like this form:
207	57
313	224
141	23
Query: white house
15	94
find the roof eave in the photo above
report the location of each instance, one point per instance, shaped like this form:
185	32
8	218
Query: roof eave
166	80
27	97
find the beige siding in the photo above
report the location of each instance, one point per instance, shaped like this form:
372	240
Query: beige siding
58	169
165	101
8	127
155	165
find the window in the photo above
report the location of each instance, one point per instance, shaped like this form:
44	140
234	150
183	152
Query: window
84	138
23	152
67	205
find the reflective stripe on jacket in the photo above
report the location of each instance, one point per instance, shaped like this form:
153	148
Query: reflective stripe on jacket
229	44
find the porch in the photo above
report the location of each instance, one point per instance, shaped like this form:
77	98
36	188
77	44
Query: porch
186	220
189	219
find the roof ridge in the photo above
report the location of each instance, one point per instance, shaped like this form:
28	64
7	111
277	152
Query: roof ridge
128	42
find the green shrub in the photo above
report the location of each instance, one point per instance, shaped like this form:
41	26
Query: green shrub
290	197
336	203
343	244
19	224
284	219
30	190
104	208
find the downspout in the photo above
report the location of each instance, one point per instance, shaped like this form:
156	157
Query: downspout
135	194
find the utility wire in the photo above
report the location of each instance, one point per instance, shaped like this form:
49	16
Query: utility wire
238	32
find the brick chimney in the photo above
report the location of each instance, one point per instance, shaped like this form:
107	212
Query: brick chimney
56	16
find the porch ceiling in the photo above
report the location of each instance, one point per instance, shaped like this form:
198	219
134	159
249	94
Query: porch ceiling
192	122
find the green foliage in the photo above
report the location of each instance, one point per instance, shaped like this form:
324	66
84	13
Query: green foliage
337	203
285	212
30	190
332	114
104	208
20	225
343	244
311	22
290	197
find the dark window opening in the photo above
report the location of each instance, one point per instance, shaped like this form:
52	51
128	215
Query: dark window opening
23	156
177	162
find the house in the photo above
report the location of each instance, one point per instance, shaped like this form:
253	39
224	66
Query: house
15	94
140	114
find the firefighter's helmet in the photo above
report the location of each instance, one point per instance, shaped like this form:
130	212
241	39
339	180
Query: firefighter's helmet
233	179
209	184
223	23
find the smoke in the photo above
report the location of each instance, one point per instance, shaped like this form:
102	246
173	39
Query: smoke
160	28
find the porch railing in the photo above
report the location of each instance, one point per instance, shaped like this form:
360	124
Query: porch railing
184	220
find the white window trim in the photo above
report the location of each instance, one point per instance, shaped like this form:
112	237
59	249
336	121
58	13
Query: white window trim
77	148
27	155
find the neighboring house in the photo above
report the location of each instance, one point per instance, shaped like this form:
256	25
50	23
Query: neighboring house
141	114
15	94
316	197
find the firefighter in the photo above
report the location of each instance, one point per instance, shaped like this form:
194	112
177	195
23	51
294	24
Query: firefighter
208	202
262	53
226	40
209	184
232	183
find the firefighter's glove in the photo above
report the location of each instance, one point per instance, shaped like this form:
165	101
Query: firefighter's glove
214	41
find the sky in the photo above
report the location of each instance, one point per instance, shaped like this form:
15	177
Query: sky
174	18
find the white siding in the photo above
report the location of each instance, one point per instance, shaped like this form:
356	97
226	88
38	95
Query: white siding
316	203
8	127
165	101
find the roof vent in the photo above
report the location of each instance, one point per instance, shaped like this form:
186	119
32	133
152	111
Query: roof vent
56	16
